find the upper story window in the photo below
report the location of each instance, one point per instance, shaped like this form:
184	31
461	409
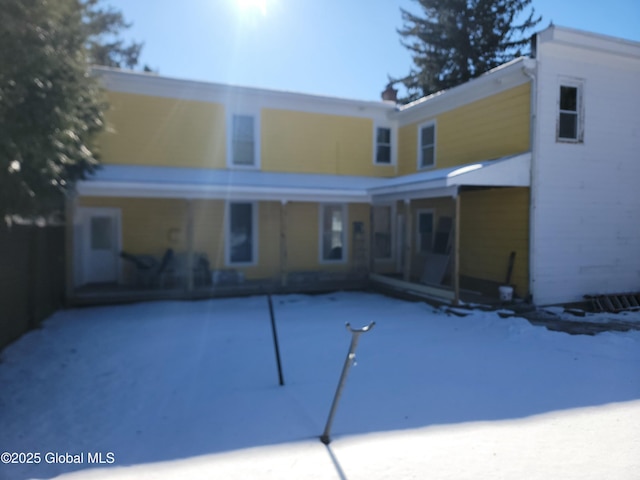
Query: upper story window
383	146
427	145
570	117
244	144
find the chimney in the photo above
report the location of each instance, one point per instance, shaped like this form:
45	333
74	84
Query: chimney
390	94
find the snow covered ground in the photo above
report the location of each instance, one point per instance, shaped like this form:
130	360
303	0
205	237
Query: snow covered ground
171	390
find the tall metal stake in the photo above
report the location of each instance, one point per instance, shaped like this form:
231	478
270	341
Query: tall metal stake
275	340
351	357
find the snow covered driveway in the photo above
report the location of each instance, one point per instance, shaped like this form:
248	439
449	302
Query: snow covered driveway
190	390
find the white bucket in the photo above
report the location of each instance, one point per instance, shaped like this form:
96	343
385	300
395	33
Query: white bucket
506	293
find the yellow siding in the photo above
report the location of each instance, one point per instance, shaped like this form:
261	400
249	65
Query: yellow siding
268	242
208	231
149	226
302	236
146	130
490	128
317	143
493	224
407	149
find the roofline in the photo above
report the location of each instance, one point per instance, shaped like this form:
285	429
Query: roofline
589	40
129	81
499	79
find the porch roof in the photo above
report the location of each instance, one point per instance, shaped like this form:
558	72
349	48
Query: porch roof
511	171
172	182
191	183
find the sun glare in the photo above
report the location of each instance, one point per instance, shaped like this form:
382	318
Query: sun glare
255	5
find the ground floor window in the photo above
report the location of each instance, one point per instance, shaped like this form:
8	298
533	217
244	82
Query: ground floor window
382	218
425	219
332	231
241	233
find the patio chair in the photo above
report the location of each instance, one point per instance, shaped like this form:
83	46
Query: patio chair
150	272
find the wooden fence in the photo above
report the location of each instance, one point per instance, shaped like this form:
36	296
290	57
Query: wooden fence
32	283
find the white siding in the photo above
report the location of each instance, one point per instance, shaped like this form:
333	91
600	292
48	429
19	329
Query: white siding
586	215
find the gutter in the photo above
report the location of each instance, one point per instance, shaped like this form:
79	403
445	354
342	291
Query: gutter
531	72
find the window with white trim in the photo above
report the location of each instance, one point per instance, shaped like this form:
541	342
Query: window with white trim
424	231
382	234
332	231
570	112
383	146
243	140
427	145
241	233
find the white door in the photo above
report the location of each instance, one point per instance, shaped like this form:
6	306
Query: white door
101	245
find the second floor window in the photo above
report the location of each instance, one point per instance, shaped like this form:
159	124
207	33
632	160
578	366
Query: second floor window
569	115
243	140
427	147
383	145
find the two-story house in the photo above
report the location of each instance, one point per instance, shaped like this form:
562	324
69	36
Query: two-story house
526	175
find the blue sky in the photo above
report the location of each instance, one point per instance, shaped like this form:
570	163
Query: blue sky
343	48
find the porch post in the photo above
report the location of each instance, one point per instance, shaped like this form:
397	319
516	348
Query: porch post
407	240
283	243
456	250
372	238
189	235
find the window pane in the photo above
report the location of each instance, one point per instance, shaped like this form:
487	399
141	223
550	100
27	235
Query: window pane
332	234
384	135
426	223
427	156
101	233
242	127
241	232
427	136
243	140
383	154
243	153
568	125
569	98
425	232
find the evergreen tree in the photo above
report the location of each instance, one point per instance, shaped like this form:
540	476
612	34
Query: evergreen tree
103	43
50	105
453	41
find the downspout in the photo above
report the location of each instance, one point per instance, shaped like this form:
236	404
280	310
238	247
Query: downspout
531	73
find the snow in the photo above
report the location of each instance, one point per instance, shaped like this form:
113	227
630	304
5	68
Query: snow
190	390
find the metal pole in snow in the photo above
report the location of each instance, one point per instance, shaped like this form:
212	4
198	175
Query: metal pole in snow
351	356
275	339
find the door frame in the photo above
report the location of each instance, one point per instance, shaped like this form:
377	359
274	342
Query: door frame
82	237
